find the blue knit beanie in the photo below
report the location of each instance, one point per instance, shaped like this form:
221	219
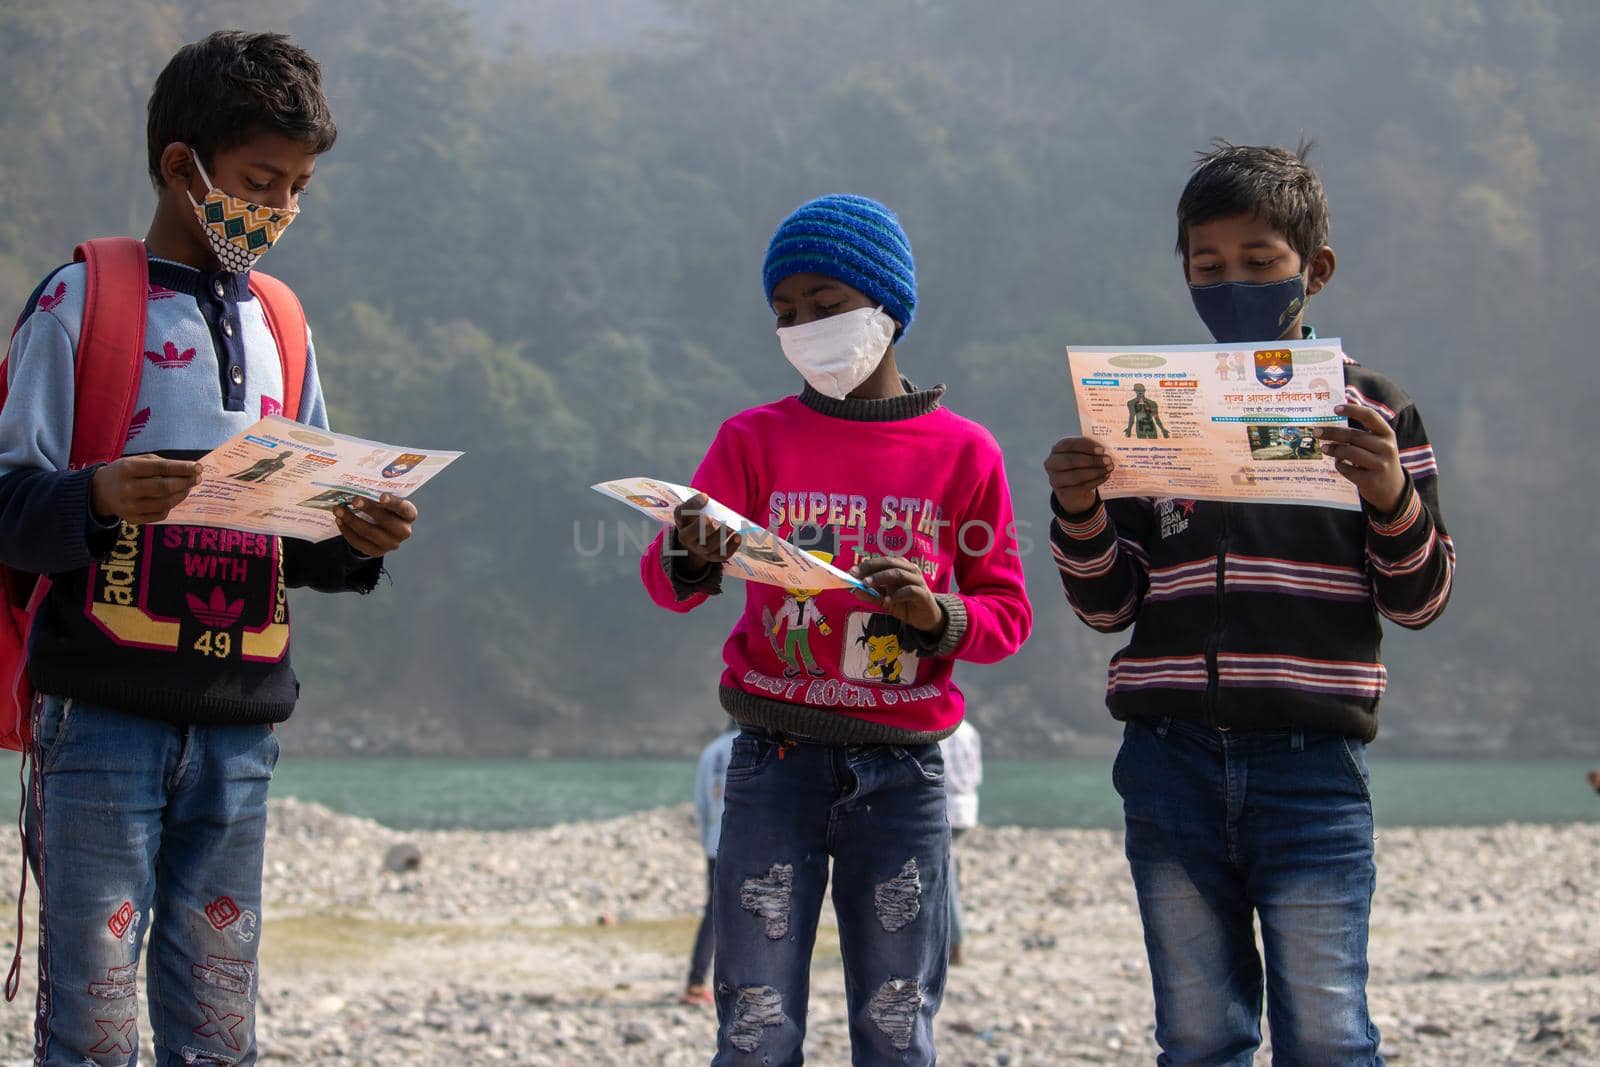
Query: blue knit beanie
851	238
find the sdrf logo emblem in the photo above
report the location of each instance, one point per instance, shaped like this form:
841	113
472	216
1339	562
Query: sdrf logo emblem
1274	367
402	464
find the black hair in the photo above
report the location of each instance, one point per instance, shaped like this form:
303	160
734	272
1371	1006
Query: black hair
881	624
1267	181
809	537
217	93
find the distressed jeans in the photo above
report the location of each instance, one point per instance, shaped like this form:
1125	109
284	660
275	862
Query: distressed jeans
879	812
1228	826
139	826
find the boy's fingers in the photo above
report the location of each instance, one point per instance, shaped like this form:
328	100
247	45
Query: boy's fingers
359	539
1348	435
1065	461
391	525
1076	479
398	506
1365	416
156	467
1363	442
874	564
1078	444
1356	457
690	509
160	489
1080	472
387	516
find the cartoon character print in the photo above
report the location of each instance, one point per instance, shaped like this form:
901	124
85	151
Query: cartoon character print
800	612
881	637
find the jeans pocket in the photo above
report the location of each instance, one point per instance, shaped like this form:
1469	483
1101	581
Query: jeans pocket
52	725
1122	752
1353	754
927	759
749	755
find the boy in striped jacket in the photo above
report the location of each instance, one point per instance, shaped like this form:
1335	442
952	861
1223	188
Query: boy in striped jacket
1250	687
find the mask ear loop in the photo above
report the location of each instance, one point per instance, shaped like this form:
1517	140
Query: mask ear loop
203	177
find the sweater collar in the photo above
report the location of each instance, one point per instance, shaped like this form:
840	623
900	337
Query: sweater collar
908	405
182	278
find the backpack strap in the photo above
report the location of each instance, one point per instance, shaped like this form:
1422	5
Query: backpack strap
287	321
110	347
109	359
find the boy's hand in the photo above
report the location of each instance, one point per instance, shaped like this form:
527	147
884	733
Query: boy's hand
704	540
141	489
1367	455
904	591
382	526
1077	467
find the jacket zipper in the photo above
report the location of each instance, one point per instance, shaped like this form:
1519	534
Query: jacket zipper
1214	639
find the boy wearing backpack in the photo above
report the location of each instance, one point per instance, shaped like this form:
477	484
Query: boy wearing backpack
1250	686
160	654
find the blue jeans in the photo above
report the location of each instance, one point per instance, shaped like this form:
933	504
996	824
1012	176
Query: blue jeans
1227	826
879	812
136	825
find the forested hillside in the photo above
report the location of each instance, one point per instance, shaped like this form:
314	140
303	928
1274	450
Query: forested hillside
539	237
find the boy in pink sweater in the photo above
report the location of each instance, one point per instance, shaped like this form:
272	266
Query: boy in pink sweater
843	698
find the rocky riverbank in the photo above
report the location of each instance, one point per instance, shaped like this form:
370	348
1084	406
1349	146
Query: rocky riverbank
566	946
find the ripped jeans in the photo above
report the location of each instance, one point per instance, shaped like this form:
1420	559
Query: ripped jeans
141	827
879	812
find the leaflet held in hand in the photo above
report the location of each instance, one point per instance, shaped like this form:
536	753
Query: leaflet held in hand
286	478
762	556
1213	422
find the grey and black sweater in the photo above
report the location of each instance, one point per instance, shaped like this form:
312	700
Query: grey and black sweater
179	623
1257	616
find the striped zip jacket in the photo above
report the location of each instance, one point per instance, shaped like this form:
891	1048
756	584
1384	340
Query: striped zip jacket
1256	616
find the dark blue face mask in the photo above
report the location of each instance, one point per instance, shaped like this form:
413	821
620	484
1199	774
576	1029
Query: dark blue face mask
1247	311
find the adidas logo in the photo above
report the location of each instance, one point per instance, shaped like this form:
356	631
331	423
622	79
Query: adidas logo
161	292
140	420
169	357
219	613
52	300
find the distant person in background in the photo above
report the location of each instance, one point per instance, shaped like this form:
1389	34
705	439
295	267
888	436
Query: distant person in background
709	780
963	774
1594	780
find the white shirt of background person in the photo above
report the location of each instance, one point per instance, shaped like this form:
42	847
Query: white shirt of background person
708	787
963	774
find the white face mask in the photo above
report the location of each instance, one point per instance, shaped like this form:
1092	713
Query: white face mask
838	353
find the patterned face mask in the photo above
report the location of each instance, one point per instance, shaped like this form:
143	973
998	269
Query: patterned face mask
239	231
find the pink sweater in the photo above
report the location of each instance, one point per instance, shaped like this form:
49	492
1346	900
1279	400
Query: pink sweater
821	667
